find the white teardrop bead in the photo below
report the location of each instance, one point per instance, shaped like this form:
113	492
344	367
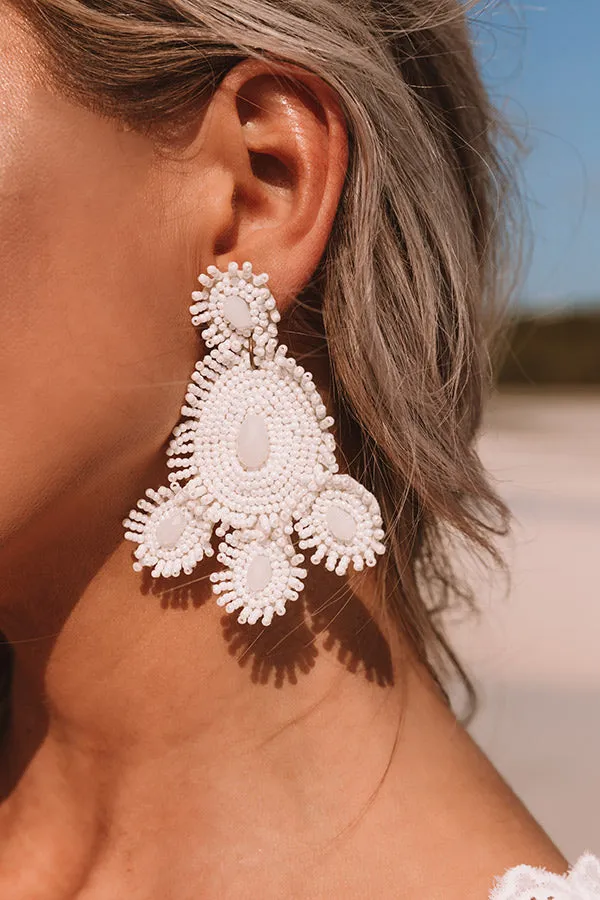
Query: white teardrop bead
253	442
237	312
340	523
170	529
259	573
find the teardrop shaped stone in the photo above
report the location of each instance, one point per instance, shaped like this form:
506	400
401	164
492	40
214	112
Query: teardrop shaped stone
259	573
253	442
340	523
170	529
237	312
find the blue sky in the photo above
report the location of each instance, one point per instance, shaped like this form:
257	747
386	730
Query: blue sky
542	64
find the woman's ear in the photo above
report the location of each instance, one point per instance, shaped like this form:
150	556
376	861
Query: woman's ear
274	141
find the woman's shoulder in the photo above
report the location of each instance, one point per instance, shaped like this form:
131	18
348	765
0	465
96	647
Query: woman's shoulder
581	882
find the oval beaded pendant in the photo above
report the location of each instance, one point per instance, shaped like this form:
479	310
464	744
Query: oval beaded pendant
170	529
340	522
237	312
259	574
253	459
253	442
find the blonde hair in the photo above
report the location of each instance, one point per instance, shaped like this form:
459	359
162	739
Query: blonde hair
412	273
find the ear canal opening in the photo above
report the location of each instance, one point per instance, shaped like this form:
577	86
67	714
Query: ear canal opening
271	170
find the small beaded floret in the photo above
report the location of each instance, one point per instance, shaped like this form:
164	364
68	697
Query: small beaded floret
254	460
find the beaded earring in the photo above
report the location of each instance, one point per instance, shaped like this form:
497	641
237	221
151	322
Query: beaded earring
253	459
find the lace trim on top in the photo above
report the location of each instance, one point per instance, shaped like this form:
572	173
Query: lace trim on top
582	882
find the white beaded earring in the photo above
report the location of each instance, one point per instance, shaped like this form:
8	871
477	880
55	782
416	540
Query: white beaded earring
254	459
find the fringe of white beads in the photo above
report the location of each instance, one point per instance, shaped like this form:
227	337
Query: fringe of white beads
253	459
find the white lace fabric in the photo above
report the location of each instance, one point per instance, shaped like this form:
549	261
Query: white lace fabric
581	882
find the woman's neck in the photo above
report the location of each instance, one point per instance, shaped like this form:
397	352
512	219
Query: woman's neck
158	749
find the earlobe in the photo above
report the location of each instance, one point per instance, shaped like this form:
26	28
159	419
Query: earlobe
282	134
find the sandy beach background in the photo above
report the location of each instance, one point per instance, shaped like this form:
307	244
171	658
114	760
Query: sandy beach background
535	650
